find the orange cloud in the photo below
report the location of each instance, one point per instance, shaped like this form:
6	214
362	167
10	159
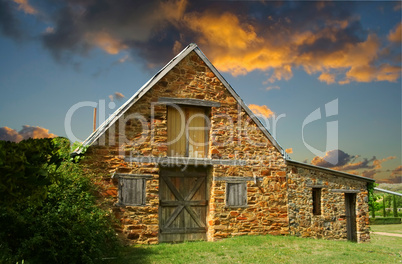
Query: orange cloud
26	7
233	35
124	59
289	150
349	164
275	87
397	171
106	42
396	34
118	95
239	48
327	77
377	163
9	134
262	110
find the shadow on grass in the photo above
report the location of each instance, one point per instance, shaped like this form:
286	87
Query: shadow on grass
136	254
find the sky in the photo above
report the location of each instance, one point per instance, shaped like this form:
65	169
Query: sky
325	77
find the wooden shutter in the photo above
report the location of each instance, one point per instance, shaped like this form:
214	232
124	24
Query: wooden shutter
236	194
187	132
197	132
316	201
132	191
176	133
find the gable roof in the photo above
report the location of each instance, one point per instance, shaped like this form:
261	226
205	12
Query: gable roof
159	75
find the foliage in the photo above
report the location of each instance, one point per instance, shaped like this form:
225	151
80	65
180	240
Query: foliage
25	172
371	197
77	147
65	227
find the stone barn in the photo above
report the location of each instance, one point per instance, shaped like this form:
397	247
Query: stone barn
185	159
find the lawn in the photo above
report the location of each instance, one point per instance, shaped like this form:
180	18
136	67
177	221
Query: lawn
268	249
396	229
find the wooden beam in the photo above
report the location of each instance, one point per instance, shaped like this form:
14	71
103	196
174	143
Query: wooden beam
128	175
236	178
344	190
186	101
315	186
175	161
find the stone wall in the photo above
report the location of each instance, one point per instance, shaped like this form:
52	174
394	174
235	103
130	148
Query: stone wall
331	224
142	132
266	211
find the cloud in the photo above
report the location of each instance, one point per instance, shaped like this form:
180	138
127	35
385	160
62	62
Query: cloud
397	171
124	59
26	7
117	96
369	173
9	24
327	39
395	35
274	87
351	164
327	77
289	150
85	25
395	176
262	110
106	42
326	161
9	134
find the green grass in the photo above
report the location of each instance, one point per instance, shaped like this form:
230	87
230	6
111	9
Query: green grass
396	229
267	249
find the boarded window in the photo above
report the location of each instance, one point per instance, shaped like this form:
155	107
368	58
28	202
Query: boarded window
187	132
316	201
132	191
236	194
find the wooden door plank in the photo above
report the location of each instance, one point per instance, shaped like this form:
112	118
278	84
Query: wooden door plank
197	185
195	216
173	188
173	216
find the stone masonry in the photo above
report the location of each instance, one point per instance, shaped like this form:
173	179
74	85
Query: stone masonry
331	224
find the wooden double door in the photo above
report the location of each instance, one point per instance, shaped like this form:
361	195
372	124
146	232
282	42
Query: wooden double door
183	204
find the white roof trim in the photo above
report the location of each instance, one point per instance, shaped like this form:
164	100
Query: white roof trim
148	85
386	191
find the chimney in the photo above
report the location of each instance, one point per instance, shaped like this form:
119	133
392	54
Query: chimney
94	119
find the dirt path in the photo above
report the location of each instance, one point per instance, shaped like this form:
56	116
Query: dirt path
387	234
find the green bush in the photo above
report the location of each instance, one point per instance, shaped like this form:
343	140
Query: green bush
385	221
67	227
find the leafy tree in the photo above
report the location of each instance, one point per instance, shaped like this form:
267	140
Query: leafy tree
27	168
57	220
